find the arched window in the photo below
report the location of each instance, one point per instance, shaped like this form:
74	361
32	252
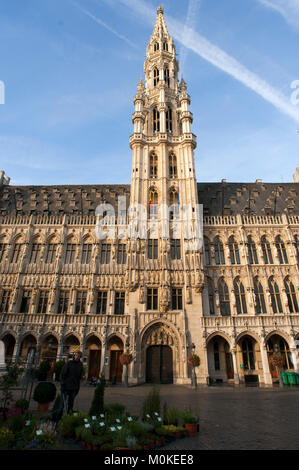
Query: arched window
156	120
165	46
169	120
156	46
173	203
156	76
172	166
296	244
224	298
167	76
207	252
248	354
234	251
260	306
153	202
275	296
3	248
35	253
267	254
51	253
211	296
281	251
252	254
291	295
153	166
240	297
281	347
17	250
219	253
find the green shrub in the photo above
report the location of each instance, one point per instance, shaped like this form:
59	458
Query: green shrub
114	409
151	403
57	369
171	416
69	423
188	417
22	404
42	372
44	392
97	405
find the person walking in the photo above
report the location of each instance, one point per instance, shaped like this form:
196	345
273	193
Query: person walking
70	377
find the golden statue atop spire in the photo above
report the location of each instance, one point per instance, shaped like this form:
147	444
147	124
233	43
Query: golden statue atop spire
160	9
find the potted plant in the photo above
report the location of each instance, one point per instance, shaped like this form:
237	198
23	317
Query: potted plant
125	359
190	422
194	361
57	369
42	372
44	393
277	361
171	415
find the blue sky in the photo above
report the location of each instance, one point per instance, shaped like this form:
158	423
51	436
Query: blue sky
71	68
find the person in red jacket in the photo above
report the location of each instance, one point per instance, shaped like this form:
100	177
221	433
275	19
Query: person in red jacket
70	377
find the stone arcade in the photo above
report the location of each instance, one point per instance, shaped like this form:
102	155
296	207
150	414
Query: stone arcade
234	301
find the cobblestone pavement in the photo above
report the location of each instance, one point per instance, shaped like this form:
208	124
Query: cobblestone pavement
230	417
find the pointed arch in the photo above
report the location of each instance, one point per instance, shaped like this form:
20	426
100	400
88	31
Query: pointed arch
224	298
275	296
260	304
281	250
266	249
233	250
173	172
219	251
291	295
252	253
156	120
153	163
156	76
240	297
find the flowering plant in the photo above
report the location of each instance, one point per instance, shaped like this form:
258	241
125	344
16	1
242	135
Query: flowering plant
6	437
277	360
125	359
194	360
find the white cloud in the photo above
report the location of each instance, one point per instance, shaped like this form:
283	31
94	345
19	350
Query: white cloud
289	9
219	58
193	7
105	25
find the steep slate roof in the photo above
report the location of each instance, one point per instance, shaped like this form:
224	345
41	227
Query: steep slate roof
217	198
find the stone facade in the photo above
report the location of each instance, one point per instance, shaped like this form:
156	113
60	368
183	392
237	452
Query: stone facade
233	301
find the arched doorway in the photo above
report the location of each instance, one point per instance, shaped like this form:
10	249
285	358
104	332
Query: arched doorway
71	344
159	364
277	343
9	344
248	359
49	351
93	351
28	344
115	348
158	346
220	363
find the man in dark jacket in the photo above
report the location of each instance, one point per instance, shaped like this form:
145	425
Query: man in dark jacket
70	377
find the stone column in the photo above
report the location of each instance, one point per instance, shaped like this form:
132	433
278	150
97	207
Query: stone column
235	366
294	357
267	374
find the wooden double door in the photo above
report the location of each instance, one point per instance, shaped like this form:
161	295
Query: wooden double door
159	364
116	369
94	363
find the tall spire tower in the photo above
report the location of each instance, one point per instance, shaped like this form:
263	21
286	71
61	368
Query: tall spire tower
168	273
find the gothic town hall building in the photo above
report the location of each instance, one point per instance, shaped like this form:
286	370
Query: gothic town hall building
233	300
